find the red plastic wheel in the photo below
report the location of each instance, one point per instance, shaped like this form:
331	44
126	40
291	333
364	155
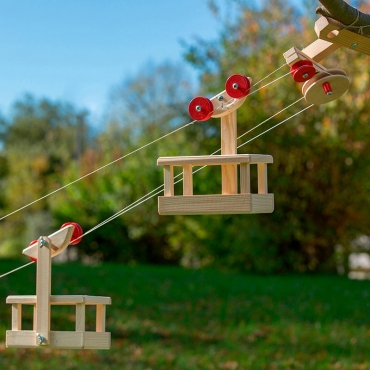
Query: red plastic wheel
77	232
200	109
32	243
302	71
238	86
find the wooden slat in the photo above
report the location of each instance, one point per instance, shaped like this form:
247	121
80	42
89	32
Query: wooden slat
80	317
97	340
16	316
188	179
169	189
228	147
262	178
60	299
100	317
215	160
59	242
216	204
245	178
43	288
328	31
58	339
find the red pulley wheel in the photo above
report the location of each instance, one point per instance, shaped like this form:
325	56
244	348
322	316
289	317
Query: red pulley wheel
200	109
77	232
302	71
238	86
32	243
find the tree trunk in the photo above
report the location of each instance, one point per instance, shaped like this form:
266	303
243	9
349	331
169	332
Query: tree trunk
345	14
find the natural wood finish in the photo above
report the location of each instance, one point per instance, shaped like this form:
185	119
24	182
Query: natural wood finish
60	300
188	179
216	204
245	178
313	89
16	316
215	160
43	288
314	52
326	29
169	188
100	318
60	339
320	49
80	317
94	340
59	240
228	146
262	178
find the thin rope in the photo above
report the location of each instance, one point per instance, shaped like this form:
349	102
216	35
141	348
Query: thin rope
18	268
270	74
134	151
98	169
159	189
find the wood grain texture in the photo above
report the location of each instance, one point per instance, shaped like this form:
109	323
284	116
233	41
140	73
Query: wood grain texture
216	204
59	240
169	189
60	300
228	147
187	179
245	178
262	178
43	289
60	339
215	160
328	30
313	90
16	316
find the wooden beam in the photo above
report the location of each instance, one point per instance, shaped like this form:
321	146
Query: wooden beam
43	289
228	146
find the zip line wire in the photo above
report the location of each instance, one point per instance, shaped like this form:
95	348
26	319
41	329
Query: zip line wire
159	189
136	150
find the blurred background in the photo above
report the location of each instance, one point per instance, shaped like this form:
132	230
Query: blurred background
87	82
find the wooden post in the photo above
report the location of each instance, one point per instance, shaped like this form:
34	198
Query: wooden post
100	317
188	180
228	146
43	290
16	316
262	178
245	178
80	316
169	190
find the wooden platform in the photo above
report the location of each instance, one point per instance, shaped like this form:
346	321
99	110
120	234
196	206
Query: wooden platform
79	339
216	204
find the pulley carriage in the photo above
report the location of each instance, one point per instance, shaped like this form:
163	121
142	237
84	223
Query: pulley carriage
42	251
233	199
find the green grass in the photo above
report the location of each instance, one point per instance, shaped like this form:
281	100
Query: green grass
171	318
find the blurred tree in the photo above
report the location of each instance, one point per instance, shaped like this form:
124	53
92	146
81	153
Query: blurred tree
39	141
143	108
321	158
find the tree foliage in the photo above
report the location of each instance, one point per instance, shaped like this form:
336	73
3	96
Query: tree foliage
319	176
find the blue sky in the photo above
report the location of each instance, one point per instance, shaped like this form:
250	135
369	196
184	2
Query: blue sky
76	50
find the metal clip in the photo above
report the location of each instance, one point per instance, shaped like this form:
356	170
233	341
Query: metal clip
42	242
41	339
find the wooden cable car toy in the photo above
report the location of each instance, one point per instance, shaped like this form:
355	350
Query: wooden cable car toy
42	251
224	105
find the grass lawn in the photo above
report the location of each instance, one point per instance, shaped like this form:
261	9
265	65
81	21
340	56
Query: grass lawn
171	318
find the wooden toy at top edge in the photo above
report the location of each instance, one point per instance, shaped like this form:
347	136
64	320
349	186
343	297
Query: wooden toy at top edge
323	85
